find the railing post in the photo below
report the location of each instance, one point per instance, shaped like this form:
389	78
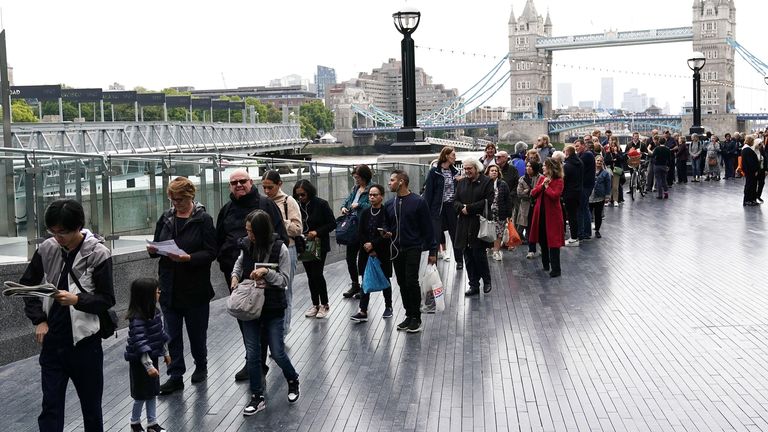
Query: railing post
217	194
30	171
92	171
153	214
107	230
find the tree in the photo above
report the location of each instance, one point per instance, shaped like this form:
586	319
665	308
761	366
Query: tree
22	113
316	115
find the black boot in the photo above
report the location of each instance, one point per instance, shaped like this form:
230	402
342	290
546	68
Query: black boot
353	289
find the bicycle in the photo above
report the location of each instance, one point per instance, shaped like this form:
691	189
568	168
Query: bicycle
637	179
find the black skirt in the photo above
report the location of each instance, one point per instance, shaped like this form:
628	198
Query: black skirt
143	386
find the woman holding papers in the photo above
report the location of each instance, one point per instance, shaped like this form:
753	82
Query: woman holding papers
185	280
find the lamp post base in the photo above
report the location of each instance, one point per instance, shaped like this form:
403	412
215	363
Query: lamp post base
409	141
698	130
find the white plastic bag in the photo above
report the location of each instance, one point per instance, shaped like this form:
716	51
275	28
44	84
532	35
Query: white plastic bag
434	287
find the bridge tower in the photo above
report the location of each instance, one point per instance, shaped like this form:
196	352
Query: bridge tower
531	68
713	22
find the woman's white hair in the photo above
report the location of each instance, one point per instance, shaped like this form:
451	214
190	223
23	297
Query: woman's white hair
473	161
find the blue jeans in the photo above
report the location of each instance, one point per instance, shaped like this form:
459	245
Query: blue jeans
585	221
151	411
196	319
289	288
696	167
273	328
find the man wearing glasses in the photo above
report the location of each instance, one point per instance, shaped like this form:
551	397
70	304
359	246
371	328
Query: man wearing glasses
67	324
244	198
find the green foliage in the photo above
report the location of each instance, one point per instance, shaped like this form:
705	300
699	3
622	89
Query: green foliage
316	115
22	113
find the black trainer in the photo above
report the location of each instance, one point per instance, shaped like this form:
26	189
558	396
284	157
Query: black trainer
256	404
414	326
155	428
354	289
136	427
293	391
404	325
172	385
472	291
359	317
199	375
242	374
487	288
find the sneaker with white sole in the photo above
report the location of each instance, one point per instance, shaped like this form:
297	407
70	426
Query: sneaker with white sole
387	312
323	311
497	255
359	317
530	255
571	242
311	312
293	391
256	404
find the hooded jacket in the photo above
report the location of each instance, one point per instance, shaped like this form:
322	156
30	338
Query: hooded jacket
433	189
92	266
187	284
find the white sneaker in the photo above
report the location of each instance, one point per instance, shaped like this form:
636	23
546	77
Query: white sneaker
530	255
571	242
615	204
311	312
322	312
497	255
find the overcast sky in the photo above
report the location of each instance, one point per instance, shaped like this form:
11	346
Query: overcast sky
166	43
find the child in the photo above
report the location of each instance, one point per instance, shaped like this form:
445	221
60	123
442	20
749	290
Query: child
147	341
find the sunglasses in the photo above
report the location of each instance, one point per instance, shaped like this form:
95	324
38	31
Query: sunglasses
241	181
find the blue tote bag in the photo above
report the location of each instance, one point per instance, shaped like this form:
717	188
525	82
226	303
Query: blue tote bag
374	278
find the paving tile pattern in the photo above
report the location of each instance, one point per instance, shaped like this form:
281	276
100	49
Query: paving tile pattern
661	325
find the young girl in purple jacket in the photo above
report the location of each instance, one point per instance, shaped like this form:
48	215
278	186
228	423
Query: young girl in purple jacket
147	341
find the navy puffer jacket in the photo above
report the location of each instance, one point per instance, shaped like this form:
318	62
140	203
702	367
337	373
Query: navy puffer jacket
145	336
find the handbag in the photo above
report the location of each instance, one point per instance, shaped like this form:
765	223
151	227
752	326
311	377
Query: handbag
107	320
374	278
312	251
487	231
514	239
618	171
346	229
246	301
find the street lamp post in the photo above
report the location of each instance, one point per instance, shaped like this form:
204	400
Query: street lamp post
410	139
696	63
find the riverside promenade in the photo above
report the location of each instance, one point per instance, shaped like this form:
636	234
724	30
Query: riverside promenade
661	325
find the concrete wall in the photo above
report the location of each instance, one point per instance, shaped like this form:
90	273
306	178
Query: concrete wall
512	131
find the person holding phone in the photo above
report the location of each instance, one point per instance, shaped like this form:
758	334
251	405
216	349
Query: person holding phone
374	241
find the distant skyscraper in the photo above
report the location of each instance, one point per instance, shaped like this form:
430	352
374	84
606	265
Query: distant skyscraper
565	94
325	79
634	102
606	93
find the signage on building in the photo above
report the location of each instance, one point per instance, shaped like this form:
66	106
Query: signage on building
82	95
201	103
115	97
237	105
220	104
177	101
150	98
39	92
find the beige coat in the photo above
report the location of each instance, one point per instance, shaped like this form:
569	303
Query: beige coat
291	218
524	194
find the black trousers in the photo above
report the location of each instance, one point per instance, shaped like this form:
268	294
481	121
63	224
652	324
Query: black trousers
750	187
353	264
760	183
84	365
406	265
597	210
671	172
572	210
682	171
196	320
447	222
477	266
730	165
318	289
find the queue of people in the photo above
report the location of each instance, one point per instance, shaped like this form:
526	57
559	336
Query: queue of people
261	238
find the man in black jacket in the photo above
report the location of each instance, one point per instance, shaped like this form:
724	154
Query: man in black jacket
587	184
573	173
474	195
730	151
244	198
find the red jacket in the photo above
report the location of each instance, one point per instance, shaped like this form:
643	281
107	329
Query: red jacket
550	196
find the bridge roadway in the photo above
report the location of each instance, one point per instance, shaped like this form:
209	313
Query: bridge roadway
150	137
658	326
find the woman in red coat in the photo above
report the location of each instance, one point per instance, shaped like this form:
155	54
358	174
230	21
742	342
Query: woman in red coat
547	224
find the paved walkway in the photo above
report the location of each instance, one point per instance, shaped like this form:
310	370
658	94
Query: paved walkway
662	325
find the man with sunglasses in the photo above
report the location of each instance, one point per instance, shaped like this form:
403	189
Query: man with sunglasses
244	198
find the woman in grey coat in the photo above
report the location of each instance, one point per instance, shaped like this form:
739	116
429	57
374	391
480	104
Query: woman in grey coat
524	187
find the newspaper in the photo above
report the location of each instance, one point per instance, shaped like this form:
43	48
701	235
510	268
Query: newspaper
13	289
167	247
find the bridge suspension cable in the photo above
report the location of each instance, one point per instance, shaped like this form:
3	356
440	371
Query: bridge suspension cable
750	58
